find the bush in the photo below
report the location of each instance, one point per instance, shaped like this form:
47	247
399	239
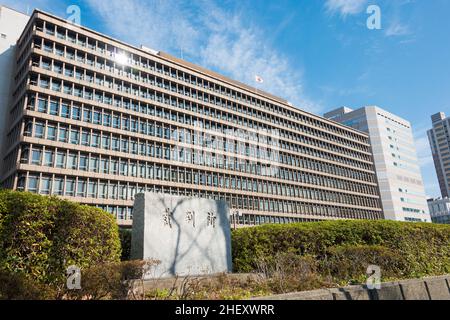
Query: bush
111	280
17	286
40	236
346	248
125	242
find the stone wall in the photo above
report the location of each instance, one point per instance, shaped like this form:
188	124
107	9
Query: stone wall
433	288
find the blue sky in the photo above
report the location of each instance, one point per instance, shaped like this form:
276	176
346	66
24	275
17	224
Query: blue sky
318	54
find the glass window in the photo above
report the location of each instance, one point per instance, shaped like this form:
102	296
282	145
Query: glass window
32	184
58	186
51	133
81	189
48	159
36	157
93	166
39	130
60	160
74	137
70	187
65	110
86	138
95	140
45	186
54	108
42	105
83	163
76	113
63	135
72	161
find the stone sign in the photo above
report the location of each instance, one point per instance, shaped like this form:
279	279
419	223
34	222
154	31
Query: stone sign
190	236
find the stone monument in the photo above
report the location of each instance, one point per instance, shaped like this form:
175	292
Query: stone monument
190	236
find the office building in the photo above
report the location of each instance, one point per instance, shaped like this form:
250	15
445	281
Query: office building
439	140
398	171
96	121
440	210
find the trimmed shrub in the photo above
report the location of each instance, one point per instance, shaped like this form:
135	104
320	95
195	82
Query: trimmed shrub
111	280
40	236
125	242
412	249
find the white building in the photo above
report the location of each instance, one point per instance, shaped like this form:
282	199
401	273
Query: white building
440	210
12	23
398	172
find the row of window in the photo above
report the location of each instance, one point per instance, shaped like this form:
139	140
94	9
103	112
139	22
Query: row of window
101	97
139	62
149	170
250	144
103	189
181	155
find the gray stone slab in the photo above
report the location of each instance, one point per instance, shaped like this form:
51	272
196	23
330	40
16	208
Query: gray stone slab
414	290
315	295
388	291
190	236
351	293
438	288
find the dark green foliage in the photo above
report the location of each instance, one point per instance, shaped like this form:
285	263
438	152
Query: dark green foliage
344	249
41	236
125	241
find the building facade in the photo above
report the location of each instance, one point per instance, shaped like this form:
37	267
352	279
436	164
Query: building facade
398	171
12	24
96	121
439	140
439	210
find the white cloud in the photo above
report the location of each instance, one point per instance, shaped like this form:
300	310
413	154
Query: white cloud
208	35
397	29
345	7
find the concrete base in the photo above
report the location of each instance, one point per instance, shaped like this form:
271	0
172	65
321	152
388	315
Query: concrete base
189	236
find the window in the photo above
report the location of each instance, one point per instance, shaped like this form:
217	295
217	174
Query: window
81	189
74	137
48	159
42	105
36	157
85	138
45	186
65	110
39	130
32	184
63	135
54	108
83	163
58	186
51	133
60	160
72	162
76	113
70	187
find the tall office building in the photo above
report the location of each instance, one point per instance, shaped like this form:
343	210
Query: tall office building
12	24
439	140
96	121
398	171
439	210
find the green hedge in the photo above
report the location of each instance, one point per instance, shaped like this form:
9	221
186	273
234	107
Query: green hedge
40	236
344	249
